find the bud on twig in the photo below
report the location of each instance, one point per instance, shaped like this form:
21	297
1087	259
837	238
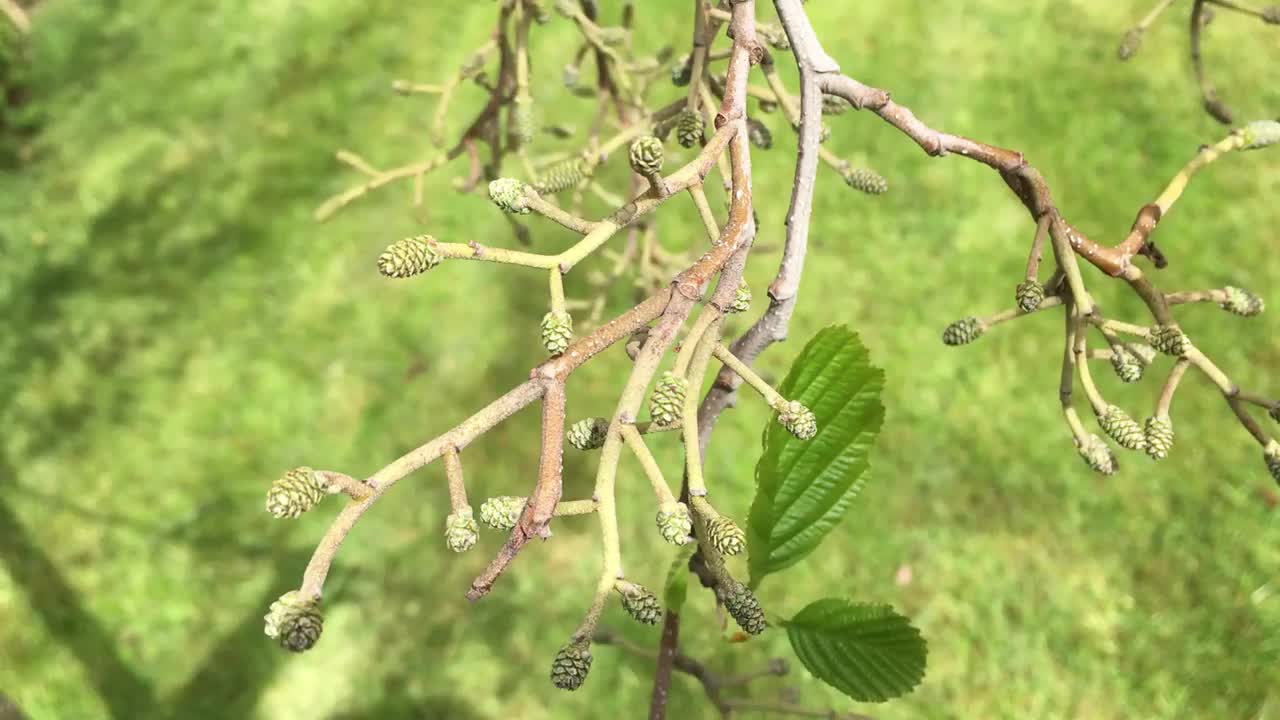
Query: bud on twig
741	299
834	105
1261	133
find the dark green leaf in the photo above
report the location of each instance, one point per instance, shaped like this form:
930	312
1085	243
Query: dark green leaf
868	652
803	488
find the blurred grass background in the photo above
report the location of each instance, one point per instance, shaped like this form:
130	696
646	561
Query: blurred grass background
181	332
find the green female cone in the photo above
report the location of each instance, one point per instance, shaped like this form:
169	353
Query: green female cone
674	523
1029	294
1117	424
1242	302
962	331
571	665
461	531
667	401
1098	456
561	176
1126	365
588	434
502	512
1169	339
726	536
294	621
866	180
1159	432
296	492
641	604
689	128
557	331
742	606
646	155
508	194
409	257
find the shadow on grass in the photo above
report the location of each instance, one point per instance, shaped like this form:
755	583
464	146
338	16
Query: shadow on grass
65	618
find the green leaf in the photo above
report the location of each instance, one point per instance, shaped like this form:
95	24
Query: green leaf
803	488
868	652
677	586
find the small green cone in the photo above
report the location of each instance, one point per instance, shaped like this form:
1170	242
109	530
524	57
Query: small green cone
1271	454
557	331
1169	340
588	434
294	622
1127	365
866	180
409	257
759	135
1261	133
646	155
682	71
461	531
561	176
773	35
674	523
508	194
726	536
689	128
640	604
1098	456
667	401
502	512
742	606
741	299
797	419
296	492
573	662
1117	424
1029	294
834	105
963	331
1242	302
1159	432
1130	44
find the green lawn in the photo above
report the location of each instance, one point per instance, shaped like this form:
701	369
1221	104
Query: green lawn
181	332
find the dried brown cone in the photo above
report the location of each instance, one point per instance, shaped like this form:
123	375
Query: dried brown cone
409	257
